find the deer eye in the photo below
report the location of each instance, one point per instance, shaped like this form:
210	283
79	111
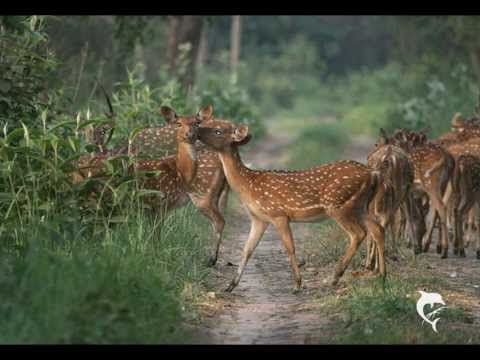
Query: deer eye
218	132
196	124
179	125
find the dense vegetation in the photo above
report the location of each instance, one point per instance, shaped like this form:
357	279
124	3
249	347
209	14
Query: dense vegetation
107	270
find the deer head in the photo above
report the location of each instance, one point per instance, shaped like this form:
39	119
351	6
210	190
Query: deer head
219	134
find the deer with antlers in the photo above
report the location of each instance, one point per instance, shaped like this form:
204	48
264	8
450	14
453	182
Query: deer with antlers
340	190
396	180
433	167
194	173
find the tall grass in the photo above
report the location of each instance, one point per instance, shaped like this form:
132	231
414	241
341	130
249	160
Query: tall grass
88	263
60	284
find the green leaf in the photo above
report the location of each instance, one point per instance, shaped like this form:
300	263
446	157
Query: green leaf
5	85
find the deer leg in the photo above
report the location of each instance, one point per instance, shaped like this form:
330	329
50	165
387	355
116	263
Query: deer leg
378	234
208	208
477	230
430	221
283	227
442	214
218	224
462	210
370	246
472	224
257	229
357	233
223	198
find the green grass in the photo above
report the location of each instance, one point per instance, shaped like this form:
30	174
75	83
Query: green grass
366	312
388	316
61	285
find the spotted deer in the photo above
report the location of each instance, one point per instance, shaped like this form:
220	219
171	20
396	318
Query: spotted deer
340	190
433	167
465	188
462	131
466	194
193	173
396	180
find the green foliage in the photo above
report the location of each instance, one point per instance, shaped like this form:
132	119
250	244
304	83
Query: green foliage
378	315
115	270
60	285
292	73
230	101
26	65
319	143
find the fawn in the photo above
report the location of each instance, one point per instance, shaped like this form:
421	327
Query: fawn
433	167
397	175
340	190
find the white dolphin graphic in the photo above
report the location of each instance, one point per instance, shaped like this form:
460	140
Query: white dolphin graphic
430	299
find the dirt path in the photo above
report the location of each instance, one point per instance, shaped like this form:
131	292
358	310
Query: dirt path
263	309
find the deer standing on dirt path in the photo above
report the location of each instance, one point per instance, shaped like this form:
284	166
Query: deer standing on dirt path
340	190
396	180
433	168
465	191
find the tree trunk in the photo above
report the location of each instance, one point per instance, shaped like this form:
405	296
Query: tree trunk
475	58
172	41
183	30
203	48
235	44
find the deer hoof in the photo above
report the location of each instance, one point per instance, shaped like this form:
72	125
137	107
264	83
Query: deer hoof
425	248
417	250
444	255
230	288
439	249
211	261
301	261
296	289
462	253
455	251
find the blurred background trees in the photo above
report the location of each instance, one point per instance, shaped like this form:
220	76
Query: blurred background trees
365	70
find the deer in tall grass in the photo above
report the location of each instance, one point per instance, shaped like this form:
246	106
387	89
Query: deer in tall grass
433	168
341	190
193	173
396	180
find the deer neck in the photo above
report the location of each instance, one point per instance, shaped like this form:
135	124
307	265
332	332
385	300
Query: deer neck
236	172
186	161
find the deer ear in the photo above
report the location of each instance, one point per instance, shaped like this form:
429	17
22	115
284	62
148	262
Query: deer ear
89	134
457	119
240	134
382	140
168	113
205	113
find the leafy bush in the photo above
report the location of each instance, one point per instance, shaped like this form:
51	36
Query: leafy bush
318	144
26	65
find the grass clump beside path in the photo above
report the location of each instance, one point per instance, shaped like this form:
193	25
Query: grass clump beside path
61	284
